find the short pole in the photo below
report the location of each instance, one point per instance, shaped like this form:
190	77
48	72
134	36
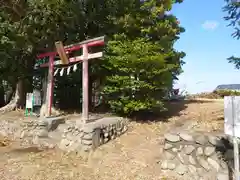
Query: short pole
236	158
235	142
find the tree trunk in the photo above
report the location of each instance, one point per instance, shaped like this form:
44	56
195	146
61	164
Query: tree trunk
9	95
18	98
43	108
2	93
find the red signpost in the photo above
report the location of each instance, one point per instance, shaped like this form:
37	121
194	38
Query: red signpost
84	58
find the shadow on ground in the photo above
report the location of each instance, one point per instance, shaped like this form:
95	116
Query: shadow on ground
225	149
173	108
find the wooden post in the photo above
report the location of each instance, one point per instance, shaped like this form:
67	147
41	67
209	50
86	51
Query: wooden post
85	84
49	98
236	158
61	52
232	126
235	140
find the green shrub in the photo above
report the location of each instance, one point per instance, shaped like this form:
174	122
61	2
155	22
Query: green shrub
226	92
210	95
217	94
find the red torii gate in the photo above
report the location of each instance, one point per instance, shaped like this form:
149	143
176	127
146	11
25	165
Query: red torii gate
84	58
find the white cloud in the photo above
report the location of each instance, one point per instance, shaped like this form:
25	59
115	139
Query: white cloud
210	25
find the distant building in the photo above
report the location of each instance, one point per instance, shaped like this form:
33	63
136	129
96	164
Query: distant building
233	87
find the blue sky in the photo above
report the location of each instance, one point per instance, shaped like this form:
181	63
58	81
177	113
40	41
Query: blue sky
207	43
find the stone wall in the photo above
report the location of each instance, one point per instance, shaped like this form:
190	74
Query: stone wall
15	130
200	155
34	128
68	136
92	135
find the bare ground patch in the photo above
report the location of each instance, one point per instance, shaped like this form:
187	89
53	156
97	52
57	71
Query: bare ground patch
134	155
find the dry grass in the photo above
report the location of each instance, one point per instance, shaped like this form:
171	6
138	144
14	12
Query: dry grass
4	141
207	95
207	115
133	156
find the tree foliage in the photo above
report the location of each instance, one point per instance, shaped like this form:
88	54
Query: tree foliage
140	62
232	8
140	75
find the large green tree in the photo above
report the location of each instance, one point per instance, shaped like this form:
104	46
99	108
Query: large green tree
26	28
31	27
140	62
232	8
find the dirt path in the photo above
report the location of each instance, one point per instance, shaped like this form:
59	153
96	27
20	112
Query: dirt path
133	156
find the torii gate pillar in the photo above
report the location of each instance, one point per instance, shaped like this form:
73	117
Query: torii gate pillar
85	78
50	85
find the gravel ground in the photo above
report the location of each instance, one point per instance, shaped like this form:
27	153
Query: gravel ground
133	156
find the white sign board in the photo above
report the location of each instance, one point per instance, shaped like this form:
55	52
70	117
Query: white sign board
37	98
29	100
232	115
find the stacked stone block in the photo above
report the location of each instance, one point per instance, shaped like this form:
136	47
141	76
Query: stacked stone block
201	155
68	136
34	128
89	137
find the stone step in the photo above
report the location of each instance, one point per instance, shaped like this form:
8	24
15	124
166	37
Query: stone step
62	127
55	135
48	143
